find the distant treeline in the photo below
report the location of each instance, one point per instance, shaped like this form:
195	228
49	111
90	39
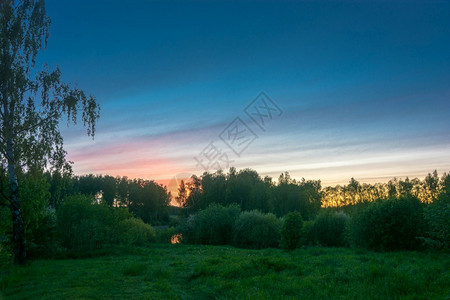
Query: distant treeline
243	210
354	192
146	199
81	213
248	190
150	201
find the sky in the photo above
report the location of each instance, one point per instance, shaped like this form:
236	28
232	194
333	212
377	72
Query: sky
323	90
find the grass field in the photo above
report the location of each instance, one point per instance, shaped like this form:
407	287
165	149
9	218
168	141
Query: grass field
164	271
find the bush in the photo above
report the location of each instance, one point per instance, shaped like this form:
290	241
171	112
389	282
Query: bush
164	235
83	225
437	216
393	224
135	232
307	234
211	226
257	230
42	240
291	230
329	229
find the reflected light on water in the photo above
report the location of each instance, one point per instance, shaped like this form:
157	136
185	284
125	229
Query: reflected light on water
176	238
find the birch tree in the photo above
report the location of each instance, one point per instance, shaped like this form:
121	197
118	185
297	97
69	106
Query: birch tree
33	104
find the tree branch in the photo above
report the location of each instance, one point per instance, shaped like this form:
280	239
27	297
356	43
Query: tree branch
26	129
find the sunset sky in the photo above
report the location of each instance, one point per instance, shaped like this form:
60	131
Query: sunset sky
360	89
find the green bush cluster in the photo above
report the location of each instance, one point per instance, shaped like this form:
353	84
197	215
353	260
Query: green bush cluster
164	235
393	224
227	225
291	231
254	229
437	216
84	226
212	226
135	232
385	225
329	229
43	238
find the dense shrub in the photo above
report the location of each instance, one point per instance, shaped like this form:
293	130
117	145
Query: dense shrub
257	230
393	224
307	234
329	229
39	219
437	216
211	226
84	225
291	230
42	241
164	235
136	232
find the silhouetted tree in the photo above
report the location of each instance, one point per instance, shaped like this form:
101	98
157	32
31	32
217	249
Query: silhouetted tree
194	200
182	194
431	184
149	200
214	187
109	189
122	191
405	187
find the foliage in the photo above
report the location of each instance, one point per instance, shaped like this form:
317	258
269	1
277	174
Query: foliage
307	234
181	198
254	229
212	226
303	197
43	240
354	193
329	229
291	231
248	190
164	235
40	220
437	215
393	224
148	201
135	232
84	225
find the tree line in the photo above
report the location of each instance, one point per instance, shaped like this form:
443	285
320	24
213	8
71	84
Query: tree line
250	191
104	210
146	199
354	192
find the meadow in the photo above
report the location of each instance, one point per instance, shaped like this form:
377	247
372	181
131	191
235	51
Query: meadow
164	271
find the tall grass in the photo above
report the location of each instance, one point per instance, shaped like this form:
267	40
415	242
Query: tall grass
165	271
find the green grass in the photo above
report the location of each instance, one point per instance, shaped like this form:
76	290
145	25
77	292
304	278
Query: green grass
164	271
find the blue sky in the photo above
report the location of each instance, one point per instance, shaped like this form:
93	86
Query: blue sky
363	86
